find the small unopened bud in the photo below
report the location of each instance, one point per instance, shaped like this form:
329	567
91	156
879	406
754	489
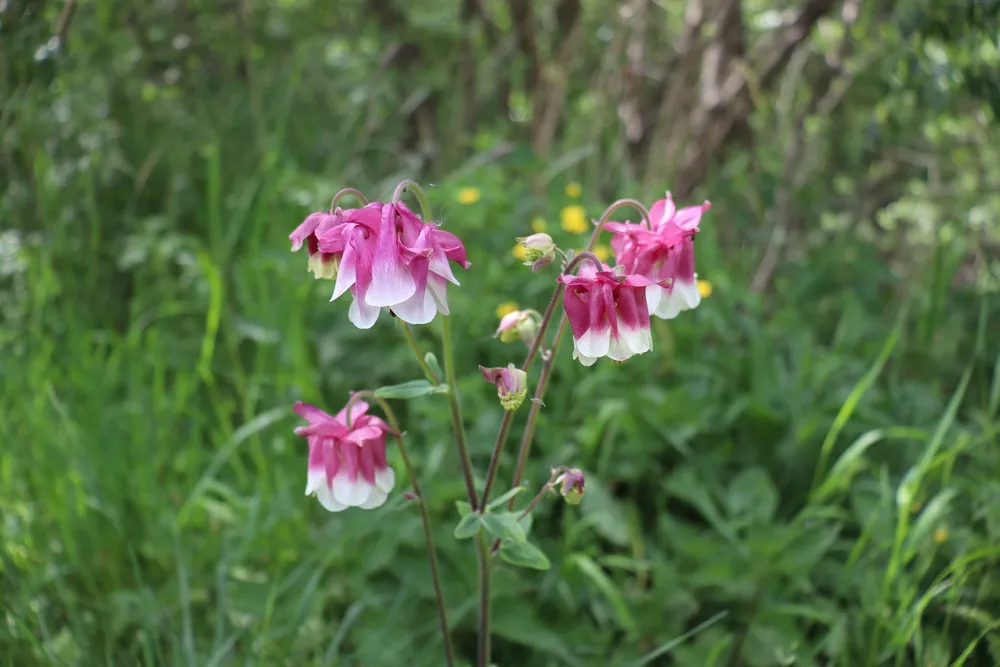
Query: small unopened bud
571	485
511	384
324	266
518	325
409	495
537	247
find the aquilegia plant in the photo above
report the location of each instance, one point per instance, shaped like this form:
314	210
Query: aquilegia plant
387	256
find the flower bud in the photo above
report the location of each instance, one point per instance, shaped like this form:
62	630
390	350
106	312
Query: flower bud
536	248
515	326
511	383
571	485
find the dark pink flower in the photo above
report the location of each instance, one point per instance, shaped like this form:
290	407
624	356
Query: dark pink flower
608	314
571	485
347	467
664	252
392	259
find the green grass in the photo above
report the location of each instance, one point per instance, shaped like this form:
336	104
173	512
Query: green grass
805	477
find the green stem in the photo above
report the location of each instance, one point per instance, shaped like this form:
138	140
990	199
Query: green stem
412	342
456	409
424	517
485	573
418	192
345	192
491	472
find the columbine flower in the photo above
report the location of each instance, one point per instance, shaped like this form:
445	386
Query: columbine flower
322	264
664	252
517	325
539	250
608	314
571	483
511	383
347	467
392	259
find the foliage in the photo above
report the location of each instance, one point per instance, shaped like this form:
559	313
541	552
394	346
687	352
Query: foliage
804	471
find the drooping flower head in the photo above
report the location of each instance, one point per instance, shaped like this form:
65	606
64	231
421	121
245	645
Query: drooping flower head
607	312
390	258
347	466
662	252
321	264
539	250
511	384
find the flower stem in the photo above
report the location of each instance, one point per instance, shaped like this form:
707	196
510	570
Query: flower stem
412	342
456	409
491	473
345	192
540	494
424	519
483	561
418	192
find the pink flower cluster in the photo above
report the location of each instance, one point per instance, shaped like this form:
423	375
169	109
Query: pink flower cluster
609	309
386	256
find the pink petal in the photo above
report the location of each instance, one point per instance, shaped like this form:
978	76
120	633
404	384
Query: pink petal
662	212
358	408
391	282
305	230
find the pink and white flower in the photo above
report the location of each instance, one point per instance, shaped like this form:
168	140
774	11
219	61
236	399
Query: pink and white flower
511	384
392	259
664	252
517	325
347	466
607	312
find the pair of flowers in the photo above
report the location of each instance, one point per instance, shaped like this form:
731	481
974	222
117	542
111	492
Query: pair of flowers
609	308
386	256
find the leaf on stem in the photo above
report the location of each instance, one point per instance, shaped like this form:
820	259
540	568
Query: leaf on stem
469	526
504	526
411	389
505	497
523	554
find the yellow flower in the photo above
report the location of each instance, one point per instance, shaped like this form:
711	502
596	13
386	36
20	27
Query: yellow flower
519	252
506	308
704	288
573	219
603	252
573	190
940	535
468	195
538	225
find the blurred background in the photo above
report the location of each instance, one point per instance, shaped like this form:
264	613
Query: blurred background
805	470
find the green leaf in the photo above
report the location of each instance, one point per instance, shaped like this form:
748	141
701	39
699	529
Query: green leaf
752	496
523	554
463	507
600	579
505	497
503	526
432	362
411	389
469	526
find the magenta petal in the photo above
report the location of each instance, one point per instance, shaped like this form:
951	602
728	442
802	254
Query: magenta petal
366	463
577	310
452	246
305	230
317	453
662	212
391	282
689	217
358	408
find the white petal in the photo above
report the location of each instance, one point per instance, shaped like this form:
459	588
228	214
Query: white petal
347	275
362	315
316	479
654	295
325	496
384	481
391	283
594	343
639	340
439	290
418	309
689	292
582	358
352	493
619	349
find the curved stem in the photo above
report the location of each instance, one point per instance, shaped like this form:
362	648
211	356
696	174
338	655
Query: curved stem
581	258
424	517
418	192
456	409
412	342
345	192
